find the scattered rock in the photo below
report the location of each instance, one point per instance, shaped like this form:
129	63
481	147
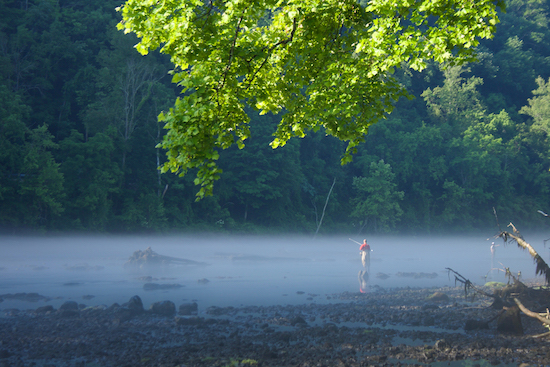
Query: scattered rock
475	325
122	314
305	334
438	297
188	309
428	321
415	275
135	305
28	297
68	305
382	276
298	320
45	309
430	306
189	321
69	309
441	344
156	286
203	281
164	308
113	307
215	310
71	284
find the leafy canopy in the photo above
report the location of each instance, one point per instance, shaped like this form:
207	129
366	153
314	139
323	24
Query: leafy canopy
324	63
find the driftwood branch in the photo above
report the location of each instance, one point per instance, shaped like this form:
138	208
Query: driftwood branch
542	317
542	266
468	284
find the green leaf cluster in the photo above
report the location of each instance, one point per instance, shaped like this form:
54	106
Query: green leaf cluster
324	64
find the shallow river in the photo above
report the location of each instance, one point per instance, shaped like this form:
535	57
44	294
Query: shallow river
244	270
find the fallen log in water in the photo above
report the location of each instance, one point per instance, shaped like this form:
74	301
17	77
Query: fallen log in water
150	258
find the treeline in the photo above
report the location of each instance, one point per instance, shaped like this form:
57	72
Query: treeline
78	136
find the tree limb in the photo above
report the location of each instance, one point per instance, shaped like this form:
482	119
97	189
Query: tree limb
539	316
282	42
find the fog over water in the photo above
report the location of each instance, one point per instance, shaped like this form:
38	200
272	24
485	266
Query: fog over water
243	270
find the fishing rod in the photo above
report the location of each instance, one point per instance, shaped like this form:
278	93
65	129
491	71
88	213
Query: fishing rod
357	242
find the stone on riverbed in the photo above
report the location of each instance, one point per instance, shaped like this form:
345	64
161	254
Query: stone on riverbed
156	286
375	328
135	305
298	320
45	309
416	275
188	309
28	297
163	308
69	309
438	297
475	325
69	305
190	321
122	314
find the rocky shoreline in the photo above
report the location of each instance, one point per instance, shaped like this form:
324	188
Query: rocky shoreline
384	327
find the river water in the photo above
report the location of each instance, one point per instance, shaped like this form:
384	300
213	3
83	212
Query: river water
244	270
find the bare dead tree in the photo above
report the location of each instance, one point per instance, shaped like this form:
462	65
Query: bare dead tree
135	85
325	207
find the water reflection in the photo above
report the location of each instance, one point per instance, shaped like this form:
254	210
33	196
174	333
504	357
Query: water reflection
363	278
493	270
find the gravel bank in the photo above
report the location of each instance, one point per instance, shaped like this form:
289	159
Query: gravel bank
385	327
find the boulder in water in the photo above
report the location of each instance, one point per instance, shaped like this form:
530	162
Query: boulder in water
135	305
187	309
164	308
156	286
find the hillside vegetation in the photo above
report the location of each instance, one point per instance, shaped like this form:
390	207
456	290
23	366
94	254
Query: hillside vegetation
79	134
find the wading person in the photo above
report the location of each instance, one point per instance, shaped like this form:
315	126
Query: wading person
364	250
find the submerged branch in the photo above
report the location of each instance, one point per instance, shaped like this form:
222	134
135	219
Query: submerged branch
468	284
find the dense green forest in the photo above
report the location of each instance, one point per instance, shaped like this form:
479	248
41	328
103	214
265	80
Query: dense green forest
79	129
